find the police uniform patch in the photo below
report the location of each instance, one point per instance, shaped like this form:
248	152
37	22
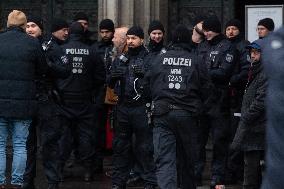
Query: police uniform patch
275	44
229	58
64	59
163	51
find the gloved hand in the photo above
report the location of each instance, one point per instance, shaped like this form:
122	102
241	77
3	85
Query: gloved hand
138	71
117	73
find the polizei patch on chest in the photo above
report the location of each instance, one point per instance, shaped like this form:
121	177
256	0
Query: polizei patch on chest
77	51
177	61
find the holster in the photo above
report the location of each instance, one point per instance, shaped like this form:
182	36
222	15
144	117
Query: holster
56	96
159	108
110	98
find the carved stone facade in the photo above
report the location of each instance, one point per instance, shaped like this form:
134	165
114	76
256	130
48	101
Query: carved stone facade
48	9
123	12
170	12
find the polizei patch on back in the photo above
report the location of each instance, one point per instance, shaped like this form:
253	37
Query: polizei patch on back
177	61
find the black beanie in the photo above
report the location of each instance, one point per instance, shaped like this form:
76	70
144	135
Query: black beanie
156	25
136	30
81	16
37	20
212	24
268	23
181	34
198	19
107	24
234	22
58	24
76	28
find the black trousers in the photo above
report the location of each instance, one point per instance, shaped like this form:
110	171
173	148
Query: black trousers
30	172
132	120
51	132
220	132
235	162
252	169
55	122
101	113
173	149
78	124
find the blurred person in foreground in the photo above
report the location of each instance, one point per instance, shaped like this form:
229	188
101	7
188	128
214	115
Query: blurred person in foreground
273	58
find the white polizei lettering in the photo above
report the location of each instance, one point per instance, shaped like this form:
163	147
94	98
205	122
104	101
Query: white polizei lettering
77	51
181	61
165	60
170	61
187	62
177	61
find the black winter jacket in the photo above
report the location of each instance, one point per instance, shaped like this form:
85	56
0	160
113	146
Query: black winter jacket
220	60
177	78
88	72
21	63
130	85
251	130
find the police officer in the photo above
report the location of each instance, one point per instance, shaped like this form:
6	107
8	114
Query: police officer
156	33
126	77
178	86
103	48
237	84
220	62
77	92
201	132
155	46
34	28
83	19
50	101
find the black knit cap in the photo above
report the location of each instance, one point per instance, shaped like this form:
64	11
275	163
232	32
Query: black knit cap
76	28
212	24
198	19
181	34
37	20
268	23
107	24
81	16
156	25
235	22
58	24
136	30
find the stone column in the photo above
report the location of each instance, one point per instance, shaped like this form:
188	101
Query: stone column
121	12
134	12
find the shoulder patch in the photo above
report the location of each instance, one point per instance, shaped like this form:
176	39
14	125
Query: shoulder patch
229	57
64	59
163	51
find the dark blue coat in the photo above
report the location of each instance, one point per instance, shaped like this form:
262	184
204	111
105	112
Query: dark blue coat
274	67
21	64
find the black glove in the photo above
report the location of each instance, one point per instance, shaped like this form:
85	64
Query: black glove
117	73
138	71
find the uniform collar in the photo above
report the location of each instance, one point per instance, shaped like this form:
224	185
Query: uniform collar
217	39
